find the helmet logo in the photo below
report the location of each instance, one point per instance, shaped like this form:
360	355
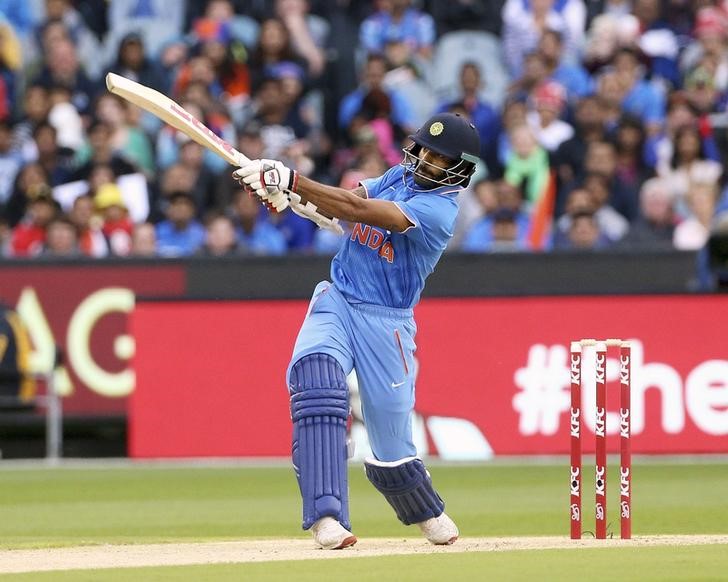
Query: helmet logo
436	128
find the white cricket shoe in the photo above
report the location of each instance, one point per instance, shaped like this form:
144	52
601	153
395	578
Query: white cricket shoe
440	530
329	534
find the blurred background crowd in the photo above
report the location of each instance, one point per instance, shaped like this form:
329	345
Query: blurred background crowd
603	122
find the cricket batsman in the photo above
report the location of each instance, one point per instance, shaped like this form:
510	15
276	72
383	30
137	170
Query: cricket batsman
363	319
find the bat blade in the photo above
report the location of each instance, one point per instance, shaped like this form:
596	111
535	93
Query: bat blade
171	113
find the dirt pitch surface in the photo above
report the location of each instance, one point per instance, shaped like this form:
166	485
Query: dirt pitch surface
129	556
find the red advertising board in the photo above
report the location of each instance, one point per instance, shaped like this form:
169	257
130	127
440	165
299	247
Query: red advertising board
83	310
493	375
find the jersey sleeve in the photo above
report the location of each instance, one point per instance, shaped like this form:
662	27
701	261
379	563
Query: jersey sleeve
374	186
432	216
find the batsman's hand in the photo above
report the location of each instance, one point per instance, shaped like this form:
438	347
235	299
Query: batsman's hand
266	177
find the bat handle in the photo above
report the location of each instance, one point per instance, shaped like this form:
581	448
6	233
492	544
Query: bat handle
240	159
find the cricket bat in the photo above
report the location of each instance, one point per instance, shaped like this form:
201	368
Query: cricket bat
171	113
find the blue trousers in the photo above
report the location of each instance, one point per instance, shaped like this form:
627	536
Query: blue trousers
379	343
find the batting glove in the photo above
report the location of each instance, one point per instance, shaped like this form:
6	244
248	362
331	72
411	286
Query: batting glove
267	177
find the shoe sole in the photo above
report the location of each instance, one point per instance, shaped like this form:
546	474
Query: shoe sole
345	543
348	542
449	542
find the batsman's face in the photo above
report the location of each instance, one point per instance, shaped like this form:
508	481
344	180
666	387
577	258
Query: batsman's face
432	167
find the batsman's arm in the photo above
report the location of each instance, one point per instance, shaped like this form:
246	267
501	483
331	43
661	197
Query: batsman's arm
352	205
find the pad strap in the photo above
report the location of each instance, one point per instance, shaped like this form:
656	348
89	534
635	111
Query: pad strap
319	410
407	486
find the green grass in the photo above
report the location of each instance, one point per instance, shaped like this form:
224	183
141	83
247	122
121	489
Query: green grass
145	504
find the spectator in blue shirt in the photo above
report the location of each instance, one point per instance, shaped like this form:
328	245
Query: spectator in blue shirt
180	234
584	234
484	116
253	227
398	21
372	82
641	98
571	75
503	228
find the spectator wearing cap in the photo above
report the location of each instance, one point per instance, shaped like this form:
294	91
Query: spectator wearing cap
28	237
133	62
483	115
549	100
570	75
253	226
524	21
117	225
91	239
710	34
180	234
702	93
398	20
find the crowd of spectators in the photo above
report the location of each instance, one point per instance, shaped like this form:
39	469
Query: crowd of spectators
603	122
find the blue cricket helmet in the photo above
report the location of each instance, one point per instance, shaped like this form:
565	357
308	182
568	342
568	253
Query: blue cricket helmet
451	135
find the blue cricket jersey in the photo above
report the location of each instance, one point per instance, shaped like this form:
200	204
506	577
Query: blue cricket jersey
389	268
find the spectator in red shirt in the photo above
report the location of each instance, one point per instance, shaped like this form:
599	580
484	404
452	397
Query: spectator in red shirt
29	236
